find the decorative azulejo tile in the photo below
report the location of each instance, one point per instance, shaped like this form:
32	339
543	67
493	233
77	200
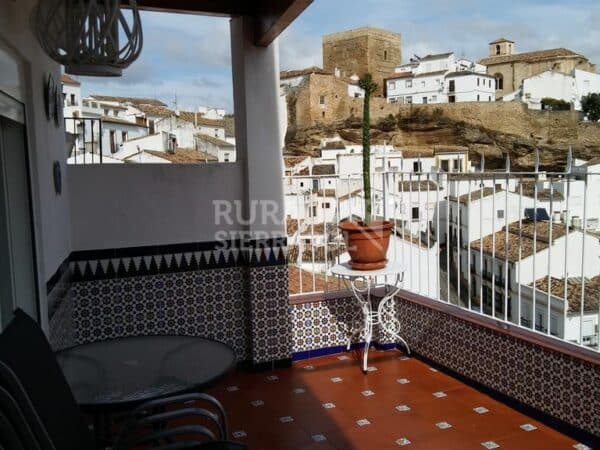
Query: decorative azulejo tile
183	303
271	333
551	382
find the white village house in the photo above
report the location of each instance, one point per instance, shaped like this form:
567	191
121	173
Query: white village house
569	87
143	130
440	78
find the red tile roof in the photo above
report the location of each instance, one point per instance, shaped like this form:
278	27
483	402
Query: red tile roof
67	79
531	57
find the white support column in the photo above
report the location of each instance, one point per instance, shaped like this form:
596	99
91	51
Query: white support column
258	143
257	127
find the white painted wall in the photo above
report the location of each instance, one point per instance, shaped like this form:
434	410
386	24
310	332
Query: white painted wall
471	88
184	130
421	263
568	87
150	204
72	104
156	141
46	141
551	84
133	131
585	83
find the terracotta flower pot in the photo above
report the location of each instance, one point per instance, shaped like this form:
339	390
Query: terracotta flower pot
367	245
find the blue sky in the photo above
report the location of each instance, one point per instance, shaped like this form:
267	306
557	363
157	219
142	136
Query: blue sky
187	58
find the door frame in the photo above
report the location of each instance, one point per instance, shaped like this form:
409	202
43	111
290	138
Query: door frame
18	114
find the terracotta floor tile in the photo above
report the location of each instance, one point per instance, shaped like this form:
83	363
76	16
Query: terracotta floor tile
277	398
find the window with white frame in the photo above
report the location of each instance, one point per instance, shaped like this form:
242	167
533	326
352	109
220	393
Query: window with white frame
392	85
408	83
409	100
500	214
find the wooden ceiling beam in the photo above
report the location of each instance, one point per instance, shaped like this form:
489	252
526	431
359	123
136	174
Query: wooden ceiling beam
223	8
274	16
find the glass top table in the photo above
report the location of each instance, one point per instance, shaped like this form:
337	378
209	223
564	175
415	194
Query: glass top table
120	374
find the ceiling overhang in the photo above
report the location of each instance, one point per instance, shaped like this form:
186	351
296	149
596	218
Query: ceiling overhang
272	16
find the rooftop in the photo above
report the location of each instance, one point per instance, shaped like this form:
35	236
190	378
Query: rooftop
196	117
415	186
132	100
301	408
436	56
430	74
154	110
68	79
184	155
323	169
475	195
531	57
542	194
286	74
213	140
119	120
496	243
464	73
400	75
500	40
301	281
557	288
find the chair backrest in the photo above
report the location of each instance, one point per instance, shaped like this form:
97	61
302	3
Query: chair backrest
9	438
10	384
26	351
15	432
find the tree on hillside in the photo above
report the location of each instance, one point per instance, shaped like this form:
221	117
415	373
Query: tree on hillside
591	106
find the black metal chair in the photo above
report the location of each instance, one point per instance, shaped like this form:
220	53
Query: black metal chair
34	382
15	432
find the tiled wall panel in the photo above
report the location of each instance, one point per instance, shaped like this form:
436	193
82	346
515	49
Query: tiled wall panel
235	293
562	386
208	303
270	314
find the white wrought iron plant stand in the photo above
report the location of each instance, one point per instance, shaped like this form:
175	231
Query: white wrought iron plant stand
361	283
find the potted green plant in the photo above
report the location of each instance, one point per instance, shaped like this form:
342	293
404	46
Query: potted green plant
367	241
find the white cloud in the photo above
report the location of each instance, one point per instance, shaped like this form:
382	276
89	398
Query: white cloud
189	57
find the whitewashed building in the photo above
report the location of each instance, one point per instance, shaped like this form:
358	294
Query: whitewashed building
440	78
567	320
222	150
569	87
503	267
71	89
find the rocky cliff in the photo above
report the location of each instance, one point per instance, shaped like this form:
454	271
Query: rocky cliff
508	130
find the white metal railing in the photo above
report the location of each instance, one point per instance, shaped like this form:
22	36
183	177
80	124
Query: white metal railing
522	247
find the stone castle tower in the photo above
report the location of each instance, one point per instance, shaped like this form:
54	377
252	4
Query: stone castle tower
363	50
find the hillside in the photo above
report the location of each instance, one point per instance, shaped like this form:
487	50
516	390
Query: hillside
493	135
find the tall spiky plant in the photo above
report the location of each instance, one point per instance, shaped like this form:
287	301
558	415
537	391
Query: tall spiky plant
367	84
